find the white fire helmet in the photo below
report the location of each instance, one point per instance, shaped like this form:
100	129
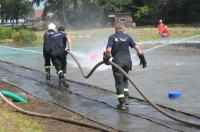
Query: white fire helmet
52	26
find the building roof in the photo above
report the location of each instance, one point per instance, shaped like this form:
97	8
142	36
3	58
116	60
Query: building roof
119	14
125	13
38	13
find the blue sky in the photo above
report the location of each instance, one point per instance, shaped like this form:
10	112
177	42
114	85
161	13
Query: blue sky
39	7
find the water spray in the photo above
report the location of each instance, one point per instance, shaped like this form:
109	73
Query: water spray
174	42
132	82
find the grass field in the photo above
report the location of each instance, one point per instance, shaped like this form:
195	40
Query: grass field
140	33
16	122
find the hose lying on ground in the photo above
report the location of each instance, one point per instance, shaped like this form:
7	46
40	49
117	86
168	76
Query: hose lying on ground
137	88
13	96
54	117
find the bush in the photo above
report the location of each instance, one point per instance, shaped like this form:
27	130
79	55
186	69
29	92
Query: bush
18	28
24	36
18	34
6	33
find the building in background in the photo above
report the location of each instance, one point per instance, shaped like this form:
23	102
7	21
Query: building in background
124	18
38	13
35	20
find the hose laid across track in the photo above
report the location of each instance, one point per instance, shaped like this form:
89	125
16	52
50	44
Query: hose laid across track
94	126
137	88
54	117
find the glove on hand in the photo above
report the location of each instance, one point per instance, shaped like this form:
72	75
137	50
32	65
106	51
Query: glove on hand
67	51
142	60
106	57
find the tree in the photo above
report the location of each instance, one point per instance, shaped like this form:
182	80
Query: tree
175	11
144	11
57	7
14	9
113	6
73	11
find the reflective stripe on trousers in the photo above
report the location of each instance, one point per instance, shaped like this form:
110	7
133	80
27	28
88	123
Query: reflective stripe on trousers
125	89
47	67
60	72
119	96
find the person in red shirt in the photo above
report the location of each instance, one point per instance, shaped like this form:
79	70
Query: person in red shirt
167	32
161	28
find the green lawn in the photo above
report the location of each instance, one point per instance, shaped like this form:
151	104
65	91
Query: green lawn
139	33
11	121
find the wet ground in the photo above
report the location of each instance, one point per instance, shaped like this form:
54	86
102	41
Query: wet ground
173	67
93	103
40	106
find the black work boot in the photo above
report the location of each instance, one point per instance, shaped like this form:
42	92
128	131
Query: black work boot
48	76
62	80
122	106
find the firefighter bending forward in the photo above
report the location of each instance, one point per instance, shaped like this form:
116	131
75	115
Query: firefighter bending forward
118	47
54	51
65	40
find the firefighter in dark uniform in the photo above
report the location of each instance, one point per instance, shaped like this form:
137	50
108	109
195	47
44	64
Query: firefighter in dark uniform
118	47
66	40
47	48
53	50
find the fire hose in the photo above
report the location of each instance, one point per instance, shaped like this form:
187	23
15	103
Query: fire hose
137	88
94	126
54	117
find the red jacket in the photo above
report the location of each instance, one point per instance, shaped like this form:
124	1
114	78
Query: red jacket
161	28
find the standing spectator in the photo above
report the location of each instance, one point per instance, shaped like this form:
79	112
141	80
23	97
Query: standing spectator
161	28
167	32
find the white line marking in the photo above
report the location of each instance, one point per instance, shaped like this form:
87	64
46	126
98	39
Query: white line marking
176	41
21	49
